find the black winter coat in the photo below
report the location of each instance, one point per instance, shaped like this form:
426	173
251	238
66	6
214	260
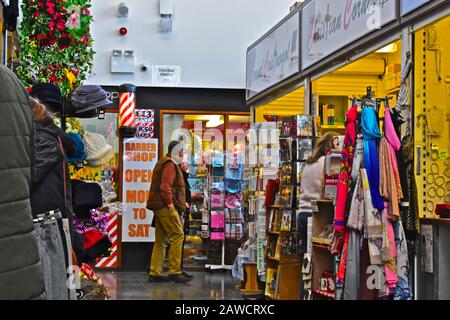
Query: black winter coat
20	269
50	173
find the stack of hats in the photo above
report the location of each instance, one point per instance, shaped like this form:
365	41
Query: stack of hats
86	99
50	95
79	154
98	151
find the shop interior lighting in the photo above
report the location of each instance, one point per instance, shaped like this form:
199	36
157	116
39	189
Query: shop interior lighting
390	48
214	122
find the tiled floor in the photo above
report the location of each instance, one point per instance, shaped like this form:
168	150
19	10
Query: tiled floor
205	286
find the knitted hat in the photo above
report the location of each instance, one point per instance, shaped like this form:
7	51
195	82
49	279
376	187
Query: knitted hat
49	94
98	151
89	97
79	148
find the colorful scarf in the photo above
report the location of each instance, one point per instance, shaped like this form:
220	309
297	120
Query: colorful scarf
371	133
346	168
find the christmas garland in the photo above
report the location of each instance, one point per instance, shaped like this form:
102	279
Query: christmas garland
55	43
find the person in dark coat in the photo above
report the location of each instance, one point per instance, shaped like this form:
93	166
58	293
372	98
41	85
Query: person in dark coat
185	215
52	189
21	274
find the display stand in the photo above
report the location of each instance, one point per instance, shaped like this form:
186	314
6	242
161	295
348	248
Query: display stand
221	266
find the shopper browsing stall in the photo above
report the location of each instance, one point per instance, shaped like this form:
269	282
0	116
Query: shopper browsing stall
20	267
311	183
168	200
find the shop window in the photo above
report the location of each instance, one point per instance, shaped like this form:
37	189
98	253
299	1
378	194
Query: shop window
107	127
216	188
432	115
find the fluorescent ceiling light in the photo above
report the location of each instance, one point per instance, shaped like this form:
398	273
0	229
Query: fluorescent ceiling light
215	121
390	48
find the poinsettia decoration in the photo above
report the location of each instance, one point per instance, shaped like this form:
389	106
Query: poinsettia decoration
55	43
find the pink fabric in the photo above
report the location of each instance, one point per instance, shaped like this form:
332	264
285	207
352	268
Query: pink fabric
390	268
348	152
391	137
217	235
217	220
394	145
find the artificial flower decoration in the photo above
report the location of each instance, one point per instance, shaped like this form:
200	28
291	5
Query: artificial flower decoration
56	44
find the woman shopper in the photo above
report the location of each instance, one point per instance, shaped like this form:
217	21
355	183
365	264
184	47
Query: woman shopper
20	267
311	184
51	184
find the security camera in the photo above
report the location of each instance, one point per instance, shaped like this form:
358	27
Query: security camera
144	67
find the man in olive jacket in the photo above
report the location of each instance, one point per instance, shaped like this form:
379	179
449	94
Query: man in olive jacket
167	199
20	268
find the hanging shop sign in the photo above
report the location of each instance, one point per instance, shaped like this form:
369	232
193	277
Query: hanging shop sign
329	25
144	120
166	76
139	160
275	58
406	6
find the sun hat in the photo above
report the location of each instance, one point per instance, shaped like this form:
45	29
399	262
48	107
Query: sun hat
88	97
49	94
79	148
98	151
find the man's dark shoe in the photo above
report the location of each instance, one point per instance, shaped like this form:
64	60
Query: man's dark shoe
184	273
156	279
180	278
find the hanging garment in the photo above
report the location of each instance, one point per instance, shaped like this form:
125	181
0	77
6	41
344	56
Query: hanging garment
353	271
389	256
410	212
340	275
371	133
403	99
358	161
394	146
346	168
403	289
355	219
52	259
373	223
389	189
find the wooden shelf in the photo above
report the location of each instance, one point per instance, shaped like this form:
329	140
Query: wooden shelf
325	294
320	241
333	126
435	220
273	258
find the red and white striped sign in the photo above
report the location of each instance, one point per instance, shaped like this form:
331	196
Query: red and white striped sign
127	105
113	231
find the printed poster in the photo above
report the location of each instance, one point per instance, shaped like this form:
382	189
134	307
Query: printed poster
139	160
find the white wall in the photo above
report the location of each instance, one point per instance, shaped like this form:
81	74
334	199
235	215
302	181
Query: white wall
209	39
